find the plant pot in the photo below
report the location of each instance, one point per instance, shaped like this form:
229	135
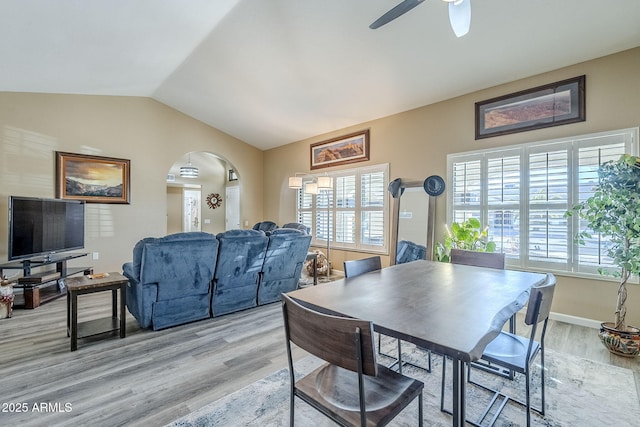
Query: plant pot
623	343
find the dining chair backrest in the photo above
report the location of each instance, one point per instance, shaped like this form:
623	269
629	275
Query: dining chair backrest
360	266
478	259
540	300
337	340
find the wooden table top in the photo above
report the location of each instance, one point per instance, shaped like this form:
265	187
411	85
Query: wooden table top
81	283
452	309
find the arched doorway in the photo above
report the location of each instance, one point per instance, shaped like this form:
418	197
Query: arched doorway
207	202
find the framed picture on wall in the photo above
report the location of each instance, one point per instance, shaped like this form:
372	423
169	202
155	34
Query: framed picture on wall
339	151
553	104
93	179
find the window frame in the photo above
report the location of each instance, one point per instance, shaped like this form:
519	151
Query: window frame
318	206
573	145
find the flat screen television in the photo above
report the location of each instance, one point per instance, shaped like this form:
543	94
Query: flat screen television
42	227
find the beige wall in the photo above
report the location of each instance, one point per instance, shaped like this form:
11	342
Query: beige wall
416	144
174	210
150	134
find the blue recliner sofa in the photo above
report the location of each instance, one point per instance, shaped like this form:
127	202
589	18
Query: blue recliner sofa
185	277
170	279
286	253
237	275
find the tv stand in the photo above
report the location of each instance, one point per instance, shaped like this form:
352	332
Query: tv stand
44	286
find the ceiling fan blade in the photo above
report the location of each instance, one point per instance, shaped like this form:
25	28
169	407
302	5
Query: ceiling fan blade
460	16
394	13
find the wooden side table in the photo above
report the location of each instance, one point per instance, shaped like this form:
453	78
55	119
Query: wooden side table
87	285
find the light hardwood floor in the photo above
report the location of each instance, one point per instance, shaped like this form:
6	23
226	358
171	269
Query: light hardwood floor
151	378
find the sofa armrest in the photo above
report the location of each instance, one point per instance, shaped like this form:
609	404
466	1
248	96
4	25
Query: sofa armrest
140	297
127	271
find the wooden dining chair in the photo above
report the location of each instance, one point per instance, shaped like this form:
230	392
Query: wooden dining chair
478	259
361	266
495	260
357	267
482	259
518	353
350	388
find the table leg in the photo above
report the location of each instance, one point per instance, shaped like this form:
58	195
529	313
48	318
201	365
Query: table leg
458	393
74	321
123	314
68	314
114	303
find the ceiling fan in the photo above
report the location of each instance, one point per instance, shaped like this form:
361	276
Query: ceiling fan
459	15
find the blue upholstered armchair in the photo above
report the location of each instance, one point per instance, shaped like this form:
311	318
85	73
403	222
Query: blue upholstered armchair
298	226
286	253
266	226
235	284
409	251
170	279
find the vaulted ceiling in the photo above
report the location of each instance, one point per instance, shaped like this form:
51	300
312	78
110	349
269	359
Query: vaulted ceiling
271	72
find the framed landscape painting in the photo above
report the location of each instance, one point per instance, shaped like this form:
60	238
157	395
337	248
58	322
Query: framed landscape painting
554	104
92	178
339	151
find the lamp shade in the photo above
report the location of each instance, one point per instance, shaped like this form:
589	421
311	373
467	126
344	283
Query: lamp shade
311	188
295	182
325	182
189	171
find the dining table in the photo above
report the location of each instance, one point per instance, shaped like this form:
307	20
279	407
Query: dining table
451	309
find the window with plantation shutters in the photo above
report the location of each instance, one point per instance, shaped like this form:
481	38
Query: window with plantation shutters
353	214
522	193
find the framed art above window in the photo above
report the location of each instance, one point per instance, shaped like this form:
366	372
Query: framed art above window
553	104
342	150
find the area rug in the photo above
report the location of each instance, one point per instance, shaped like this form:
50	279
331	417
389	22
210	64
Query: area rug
579	393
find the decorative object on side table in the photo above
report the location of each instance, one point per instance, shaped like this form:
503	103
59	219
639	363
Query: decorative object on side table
613	211
6	298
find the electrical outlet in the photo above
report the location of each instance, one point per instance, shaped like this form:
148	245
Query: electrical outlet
96	255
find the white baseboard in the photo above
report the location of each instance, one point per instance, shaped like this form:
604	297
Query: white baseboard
574	320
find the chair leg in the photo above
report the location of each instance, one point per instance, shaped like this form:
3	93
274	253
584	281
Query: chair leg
421	417
291	409
528	396
542	407
444	370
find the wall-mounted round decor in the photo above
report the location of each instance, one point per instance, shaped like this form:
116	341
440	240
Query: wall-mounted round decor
434	185
214	200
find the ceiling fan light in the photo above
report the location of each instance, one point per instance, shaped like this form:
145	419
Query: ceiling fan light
460	16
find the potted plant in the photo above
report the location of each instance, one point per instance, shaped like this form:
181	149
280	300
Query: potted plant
614	211
469	235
